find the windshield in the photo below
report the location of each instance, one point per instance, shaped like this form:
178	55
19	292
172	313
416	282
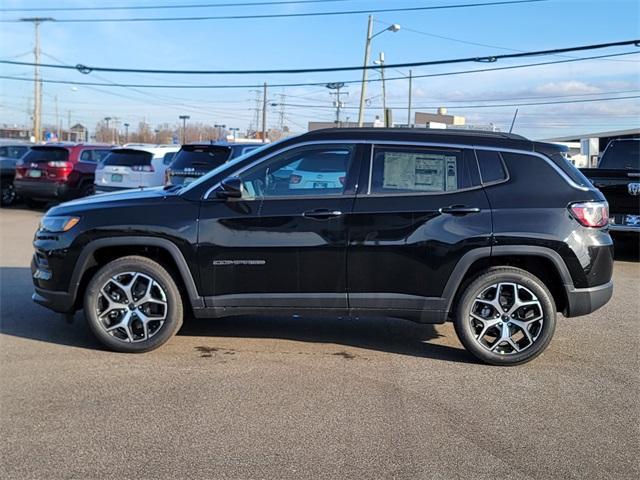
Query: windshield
621	155
230	164
200	157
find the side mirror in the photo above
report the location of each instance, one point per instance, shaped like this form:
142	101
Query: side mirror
230	188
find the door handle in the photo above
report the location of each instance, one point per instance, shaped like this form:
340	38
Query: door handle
459	210
322	214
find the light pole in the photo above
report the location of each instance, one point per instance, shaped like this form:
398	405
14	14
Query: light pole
219	131
108	119
234	130
184	119
126	132
367	48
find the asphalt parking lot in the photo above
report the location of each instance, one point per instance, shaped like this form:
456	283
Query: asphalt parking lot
297	398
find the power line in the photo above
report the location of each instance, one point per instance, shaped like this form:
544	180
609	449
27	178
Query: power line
585	100
166	7
482	59
289	15
314	84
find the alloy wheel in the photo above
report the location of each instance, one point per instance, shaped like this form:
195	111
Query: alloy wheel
132	307
506	318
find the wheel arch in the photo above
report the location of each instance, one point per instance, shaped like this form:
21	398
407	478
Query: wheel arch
542	262
100	251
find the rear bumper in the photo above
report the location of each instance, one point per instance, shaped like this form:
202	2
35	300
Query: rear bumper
41	190
624	228
582	301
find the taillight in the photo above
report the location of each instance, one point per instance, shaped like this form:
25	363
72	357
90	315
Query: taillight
591	214
341	179
167	176
295	179
59	169
142	168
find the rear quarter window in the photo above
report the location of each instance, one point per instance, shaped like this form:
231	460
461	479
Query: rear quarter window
491	165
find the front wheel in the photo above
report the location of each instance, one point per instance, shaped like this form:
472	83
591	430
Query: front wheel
133	305
506	316
8	194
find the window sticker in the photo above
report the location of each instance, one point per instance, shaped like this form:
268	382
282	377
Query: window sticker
420	171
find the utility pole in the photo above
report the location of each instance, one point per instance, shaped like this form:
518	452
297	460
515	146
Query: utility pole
338	104
126	132
37	87
409	107
55	99
255	120
69	125
380	62
281	104
264	113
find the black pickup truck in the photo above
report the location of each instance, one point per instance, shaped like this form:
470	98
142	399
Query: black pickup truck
618	178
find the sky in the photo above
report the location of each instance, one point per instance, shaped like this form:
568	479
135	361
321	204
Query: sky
325	41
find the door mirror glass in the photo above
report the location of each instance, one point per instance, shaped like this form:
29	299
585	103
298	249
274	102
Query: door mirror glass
230	187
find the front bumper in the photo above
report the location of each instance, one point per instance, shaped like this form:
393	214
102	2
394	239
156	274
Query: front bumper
582	301
61	302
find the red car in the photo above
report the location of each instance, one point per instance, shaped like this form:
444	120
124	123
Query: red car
58	172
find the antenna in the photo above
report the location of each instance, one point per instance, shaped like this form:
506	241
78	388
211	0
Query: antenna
515	115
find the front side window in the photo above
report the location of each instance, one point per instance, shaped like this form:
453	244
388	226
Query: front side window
305	171
400	170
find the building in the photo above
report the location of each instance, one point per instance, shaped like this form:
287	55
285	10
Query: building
591	144
437	120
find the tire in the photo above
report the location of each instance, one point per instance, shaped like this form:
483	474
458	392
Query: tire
87	190
121	279
484	334
8	194
31	203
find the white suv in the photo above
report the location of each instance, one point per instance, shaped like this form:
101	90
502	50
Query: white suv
134	166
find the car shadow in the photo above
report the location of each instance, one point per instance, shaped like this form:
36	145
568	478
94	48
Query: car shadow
626	248
20	317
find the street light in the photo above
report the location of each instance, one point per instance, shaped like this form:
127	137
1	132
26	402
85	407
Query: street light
234	130
184	119
219	130
126	133
367	48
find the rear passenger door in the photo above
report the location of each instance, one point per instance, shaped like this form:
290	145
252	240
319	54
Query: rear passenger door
418	210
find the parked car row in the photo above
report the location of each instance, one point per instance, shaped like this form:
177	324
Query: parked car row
63	171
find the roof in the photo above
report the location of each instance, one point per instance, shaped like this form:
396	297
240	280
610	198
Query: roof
462	137
153	149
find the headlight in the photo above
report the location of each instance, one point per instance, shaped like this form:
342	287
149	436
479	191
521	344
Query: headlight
58	224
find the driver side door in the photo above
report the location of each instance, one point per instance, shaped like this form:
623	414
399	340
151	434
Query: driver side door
290	237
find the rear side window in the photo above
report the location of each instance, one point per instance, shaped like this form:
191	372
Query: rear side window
46	154
491	166
420	170
128	158
567	167
200	157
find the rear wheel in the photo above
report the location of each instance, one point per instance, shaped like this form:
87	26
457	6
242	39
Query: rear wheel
87	190
133	305
506	316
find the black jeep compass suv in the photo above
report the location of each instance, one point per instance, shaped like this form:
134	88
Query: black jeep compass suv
492	231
